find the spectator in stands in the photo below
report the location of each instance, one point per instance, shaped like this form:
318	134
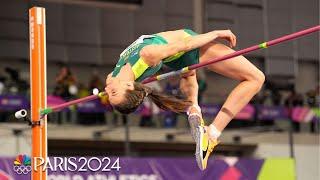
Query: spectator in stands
15	84
2	83
293	100
65	83
272	95
317	96
96	82
65	88
276	97
3	114
83	91
259	98
313	101
312	96
11	83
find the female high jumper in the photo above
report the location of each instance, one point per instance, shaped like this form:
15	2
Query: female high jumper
178	49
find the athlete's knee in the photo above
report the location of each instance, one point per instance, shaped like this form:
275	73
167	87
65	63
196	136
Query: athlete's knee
258	79
189	74
189	81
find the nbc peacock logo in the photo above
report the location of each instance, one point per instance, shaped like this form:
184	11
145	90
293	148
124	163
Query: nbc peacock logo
22	164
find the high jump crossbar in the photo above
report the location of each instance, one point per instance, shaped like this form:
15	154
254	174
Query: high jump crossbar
192	67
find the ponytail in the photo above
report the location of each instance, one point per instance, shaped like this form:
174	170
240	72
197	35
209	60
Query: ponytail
166	102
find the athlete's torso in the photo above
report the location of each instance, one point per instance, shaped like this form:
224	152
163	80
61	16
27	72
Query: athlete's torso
131	54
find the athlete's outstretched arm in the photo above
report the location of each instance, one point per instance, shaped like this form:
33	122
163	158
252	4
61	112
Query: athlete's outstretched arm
153	54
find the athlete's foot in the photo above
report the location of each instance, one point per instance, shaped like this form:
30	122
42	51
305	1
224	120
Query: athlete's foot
194	119
204	147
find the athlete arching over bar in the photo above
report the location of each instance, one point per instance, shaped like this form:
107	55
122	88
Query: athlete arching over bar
178	49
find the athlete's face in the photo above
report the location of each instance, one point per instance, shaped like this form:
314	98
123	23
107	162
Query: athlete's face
116	90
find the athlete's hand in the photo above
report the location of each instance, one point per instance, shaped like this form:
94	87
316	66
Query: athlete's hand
227	35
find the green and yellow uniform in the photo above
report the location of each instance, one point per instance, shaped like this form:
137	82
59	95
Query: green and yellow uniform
141	70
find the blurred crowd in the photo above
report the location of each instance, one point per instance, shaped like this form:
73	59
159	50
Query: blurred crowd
12	83
279	96
68	87
288	97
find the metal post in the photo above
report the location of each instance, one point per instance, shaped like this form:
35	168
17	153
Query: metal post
265	34
198	15
127	135
295	66
291	143
295	43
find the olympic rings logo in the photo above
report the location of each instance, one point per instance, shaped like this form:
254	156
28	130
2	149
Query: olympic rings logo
22	169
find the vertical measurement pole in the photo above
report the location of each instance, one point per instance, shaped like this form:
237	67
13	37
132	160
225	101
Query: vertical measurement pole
37	36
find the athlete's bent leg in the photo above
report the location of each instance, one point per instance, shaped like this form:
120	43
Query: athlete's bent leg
238	68
189	87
